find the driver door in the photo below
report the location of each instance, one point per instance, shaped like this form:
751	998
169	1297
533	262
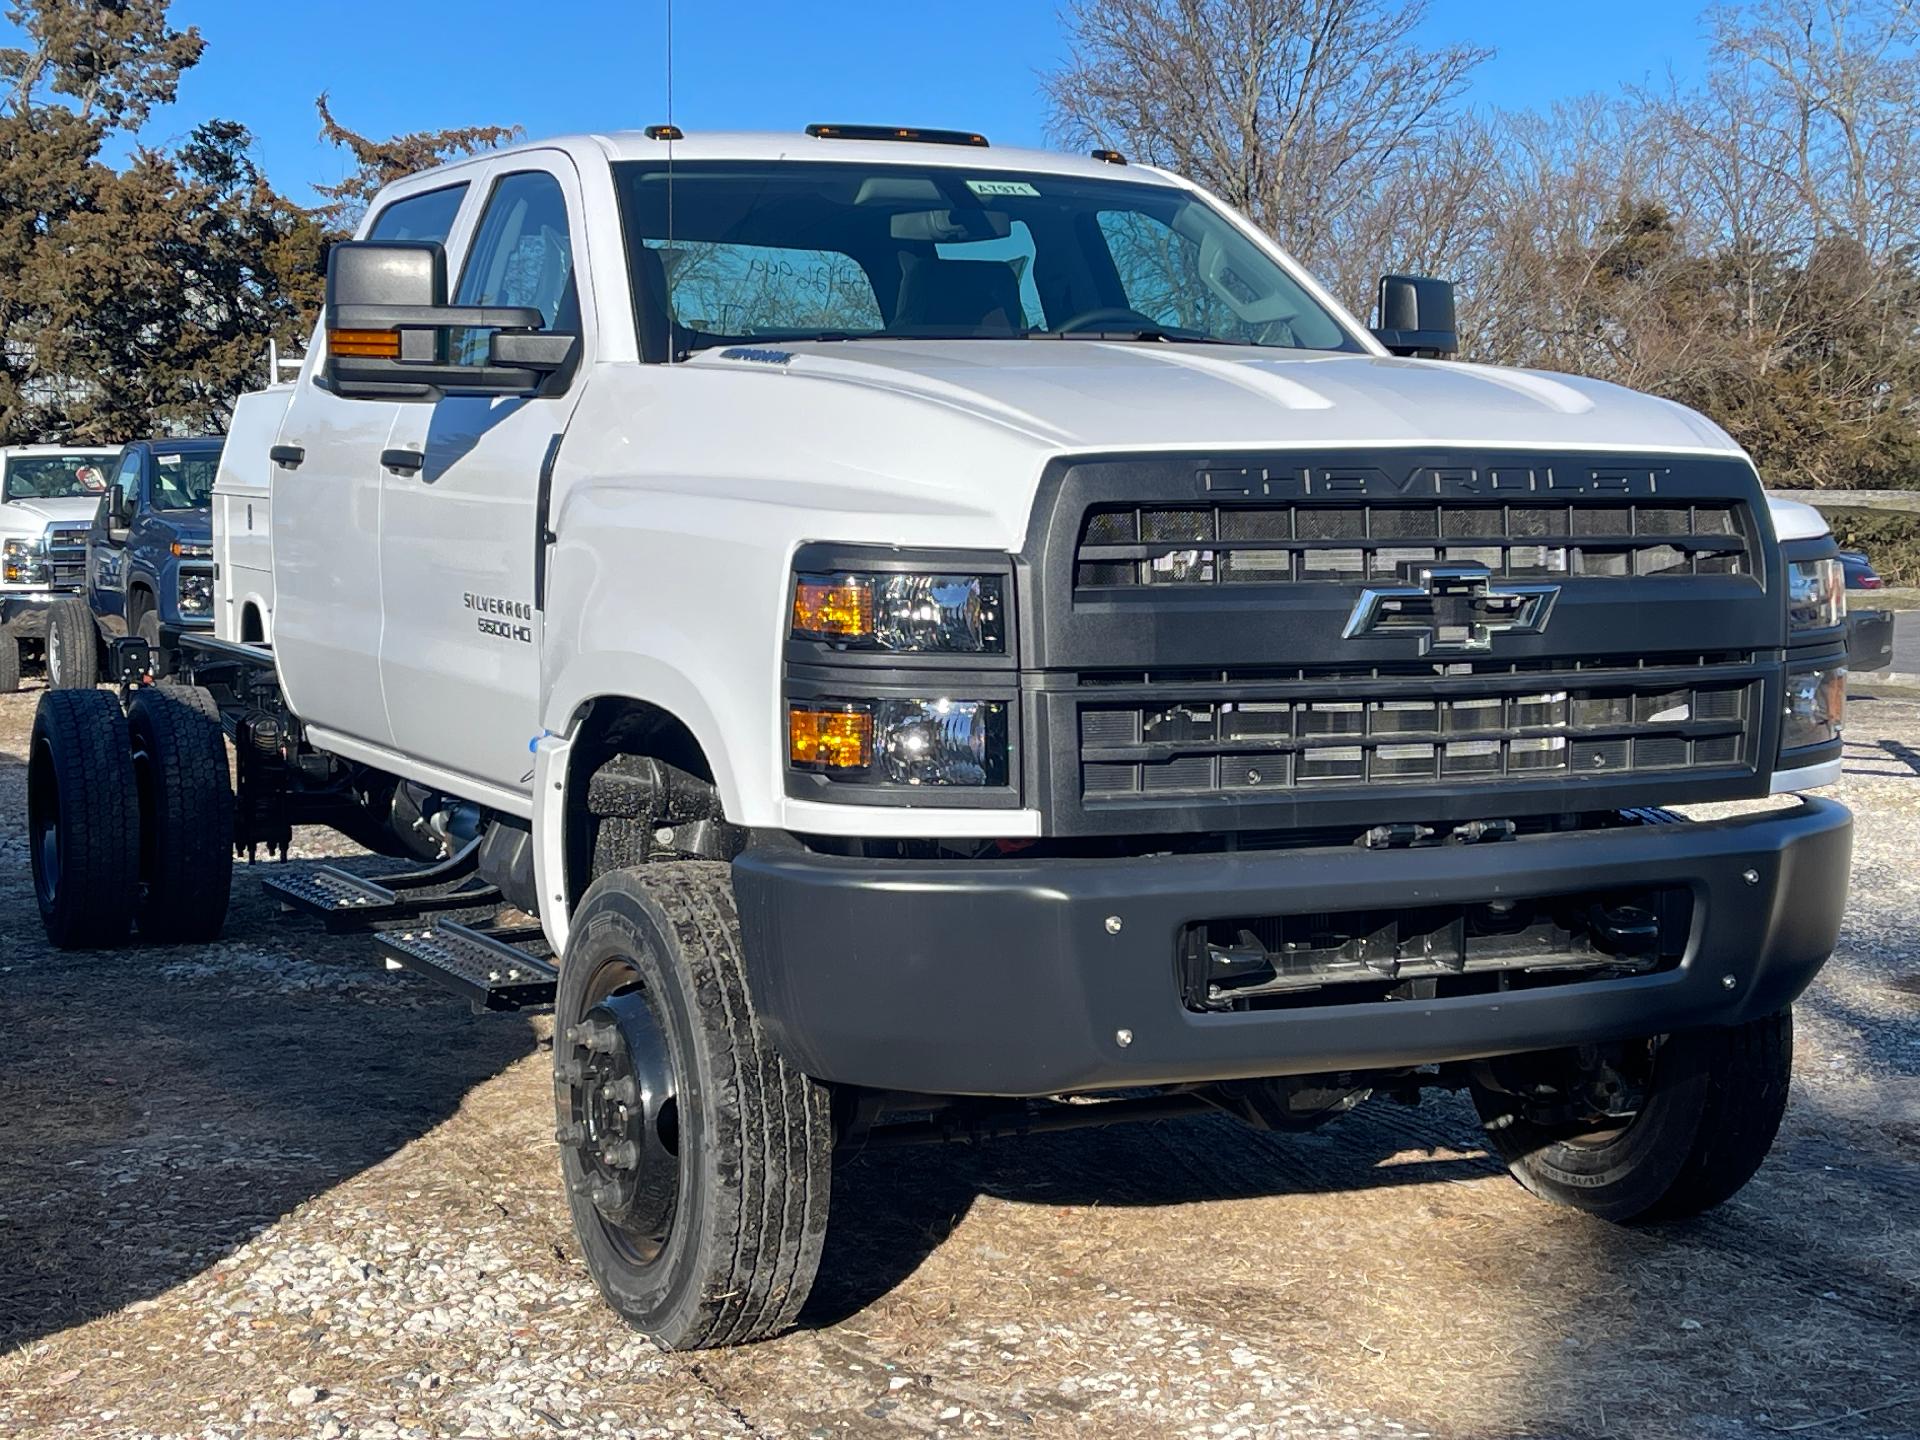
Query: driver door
460	649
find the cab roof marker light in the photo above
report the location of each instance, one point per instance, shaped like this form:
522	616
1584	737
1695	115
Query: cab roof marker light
897	132
1111	157
664	132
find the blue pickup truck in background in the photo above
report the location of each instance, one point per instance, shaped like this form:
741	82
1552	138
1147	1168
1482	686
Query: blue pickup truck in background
149	558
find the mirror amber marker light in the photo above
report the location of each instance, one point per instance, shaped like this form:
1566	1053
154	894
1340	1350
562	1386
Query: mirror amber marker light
365	344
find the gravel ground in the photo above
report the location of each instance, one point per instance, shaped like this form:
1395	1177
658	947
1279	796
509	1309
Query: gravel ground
264	1188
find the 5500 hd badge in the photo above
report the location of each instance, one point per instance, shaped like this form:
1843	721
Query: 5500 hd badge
508	619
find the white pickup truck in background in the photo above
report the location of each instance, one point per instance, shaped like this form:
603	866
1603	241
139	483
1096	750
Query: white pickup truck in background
887	635
48	495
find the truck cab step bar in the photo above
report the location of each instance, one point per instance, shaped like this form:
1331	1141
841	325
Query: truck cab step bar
347	902
486	964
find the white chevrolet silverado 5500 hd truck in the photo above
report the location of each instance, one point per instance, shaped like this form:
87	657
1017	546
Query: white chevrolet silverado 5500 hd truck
887	636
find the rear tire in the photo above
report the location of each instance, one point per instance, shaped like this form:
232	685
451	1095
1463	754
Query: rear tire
1710	1115
9	662
709	1230
186	814
73	647
83	819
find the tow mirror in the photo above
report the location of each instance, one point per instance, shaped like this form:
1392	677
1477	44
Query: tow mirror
1416	317
391	335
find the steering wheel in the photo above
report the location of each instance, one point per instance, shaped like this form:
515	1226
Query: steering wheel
1116	316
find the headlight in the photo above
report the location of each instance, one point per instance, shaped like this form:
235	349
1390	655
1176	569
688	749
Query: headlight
924	613
1816	594
196	592
901	742
23	562
1816	706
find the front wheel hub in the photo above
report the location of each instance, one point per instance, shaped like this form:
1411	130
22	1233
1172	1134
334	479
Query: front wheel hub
620	1114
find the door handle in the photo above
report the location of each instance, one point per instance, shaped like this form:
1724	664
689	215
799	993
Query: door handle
288	455
406	462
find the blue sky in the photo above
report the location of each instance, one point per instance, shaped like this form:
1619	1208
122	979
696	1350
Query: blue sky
777	64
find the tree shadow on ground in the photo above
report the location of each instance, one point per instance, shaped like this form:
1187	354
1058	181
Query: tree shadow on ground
162	1105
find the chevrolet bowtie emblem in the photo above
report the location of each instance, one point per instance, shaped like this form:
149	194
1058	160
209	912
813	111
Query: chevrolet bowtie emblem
1452	609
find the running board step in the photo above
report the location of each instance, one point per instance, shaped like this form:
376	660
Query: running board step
348	902
484	964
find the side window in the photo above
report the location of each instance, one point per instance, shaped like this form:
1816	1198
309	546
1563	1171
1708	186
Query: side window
419	217
522	254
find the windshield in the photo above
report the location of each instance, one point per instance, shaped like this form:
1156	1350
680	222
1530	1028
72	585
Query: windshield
769	251
56	477
183	482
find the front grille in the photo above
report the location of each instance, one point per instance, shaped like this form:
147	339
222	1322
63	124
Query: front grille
67	558
1298	543
1456	725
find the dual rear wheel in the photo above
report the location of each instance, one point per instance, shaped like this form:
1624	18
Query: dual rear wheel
129	817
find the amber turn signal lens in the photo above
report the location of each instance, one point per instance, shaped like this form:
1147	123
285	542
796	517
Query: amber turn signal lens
365	344
832	609
829	739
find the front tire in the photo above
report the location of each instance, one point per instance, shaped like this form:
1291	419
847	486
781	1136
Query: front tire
9	662
697	1161
1713	1104
186	814
83	819
73	647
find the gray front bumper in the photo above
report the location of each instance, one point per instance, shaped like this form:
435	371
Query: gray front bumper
1004	977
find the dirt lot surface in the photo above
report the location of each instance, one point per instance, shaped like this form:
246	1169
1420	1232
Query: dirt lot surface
264	1188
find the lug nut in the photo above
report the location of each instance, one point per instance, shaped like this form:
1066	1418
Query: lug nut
1752	877
1113	924
622	1091
1727	982
622	1155
573	1134
604	1194
1123	1038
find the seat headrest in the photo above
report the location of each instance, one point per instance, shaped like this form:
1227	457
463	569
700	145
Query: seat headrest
965	296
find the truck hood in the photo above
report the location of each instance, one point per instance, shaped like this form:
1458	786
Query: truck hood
30	517
1099	395
190	527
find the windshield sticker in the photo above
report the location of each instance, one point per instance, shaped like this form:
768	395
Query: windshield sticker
169	459
1002	187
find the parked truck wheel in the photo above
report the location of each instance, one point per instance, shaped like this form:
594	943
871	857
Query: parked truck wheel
83	819
697	1161
1712	1106
73	647
9	662
186	814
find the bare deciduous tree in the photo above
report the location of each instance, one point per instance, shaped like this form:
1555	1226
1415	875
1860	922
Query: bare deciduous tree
1302	113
